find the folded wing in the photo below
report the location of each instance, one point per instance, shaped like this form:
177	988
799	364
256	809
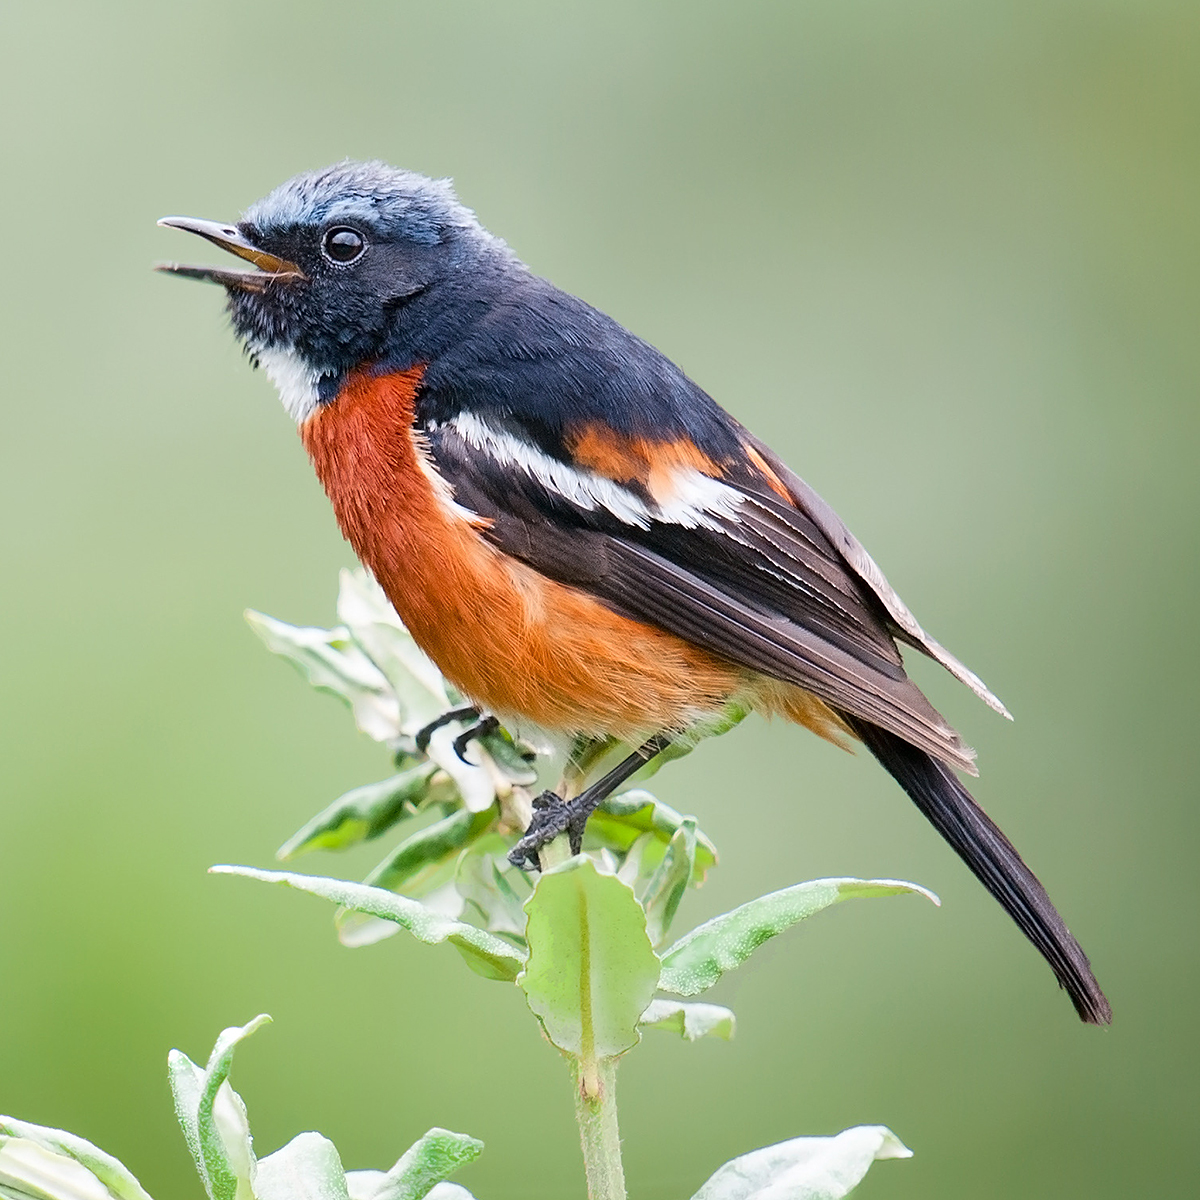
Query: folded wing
730	561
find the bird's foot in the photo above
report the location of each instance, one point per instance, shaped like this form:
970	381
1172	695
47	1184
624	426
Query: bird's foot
552	817
467	713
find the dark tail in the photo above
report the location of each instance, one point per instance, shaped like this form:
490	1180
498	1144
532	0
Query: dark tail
936	791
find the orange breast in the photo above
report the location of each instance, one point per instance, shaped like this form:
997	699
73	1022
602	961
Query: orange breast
512	640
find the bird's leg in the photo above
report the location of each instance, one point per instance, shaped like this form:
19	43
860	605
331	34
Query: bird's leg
467	713
480	729
552	816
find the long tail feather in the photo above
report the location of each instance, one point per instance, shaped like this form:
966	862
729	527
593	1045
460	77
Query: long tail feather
937	792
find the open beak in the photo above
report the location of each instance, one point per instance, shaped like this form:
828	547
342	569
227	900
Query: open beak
267	267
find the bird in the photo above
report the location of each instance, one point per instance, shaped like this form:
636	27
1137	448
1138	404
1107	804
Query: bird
581	539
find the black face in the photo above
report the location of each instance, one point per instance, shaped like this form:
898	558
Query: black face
356	262
338	313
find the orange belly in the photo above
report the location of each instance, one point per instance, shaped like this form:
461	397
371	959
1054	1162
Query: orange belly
513	641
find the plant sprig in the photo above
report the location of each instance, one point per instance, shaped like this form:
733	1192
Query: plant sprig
588	941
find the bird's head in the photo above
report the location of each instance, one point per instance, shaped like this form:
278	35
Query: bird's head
336	255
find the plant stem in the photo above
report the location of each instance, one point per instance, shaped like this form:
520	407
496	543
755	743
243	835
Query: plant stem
596	1114
595	1079
555	852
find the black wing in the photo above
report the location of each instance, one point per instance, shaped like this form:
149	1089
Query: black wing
748	575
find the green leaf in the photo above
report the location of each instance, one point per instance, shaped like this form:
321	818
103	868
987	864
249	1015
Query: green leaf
631	868
356	929
591	970
36	1161
621	820
416	866
691	1021
332	663
485	879
670	880
420	1170
419	688
418	856
213	1117
484	952
367	812
307	1168
695	962
806	1168
30	1172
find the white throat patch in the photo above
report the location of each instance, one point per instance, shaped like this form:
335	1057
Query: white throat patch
294	379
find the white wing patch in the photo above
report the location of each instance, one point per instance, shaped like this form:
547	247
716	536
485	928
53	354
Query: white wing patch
582	488
696	499
442	491
293	378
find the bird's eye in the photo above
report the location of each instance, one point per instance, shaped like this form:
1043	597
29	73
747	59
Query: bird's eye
342	244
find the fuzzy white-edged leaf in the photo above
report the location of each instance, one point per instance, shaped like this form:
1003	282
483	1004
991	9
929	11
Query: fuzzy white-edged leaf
695	962
623	819
17	1160
232	1126
417	684
368	811
805	1168
364	1185
488	882
665	888
421	867
331	662
420	1172
425	860
307	1168
31	1172
484	953
213	1117
690	1021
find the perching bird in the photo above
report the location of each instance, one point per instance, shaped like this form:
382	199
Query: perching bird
580	538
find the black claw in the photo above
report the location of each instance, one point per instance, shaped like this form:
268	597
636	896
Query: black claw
482	729
524	858
466	713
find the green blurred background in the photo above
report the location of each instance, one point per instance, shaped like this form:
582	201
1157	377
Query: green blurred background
943	256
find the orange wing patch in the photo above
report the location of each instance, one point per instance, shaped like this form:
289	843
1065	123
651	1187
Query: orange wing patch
772	480
655	465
